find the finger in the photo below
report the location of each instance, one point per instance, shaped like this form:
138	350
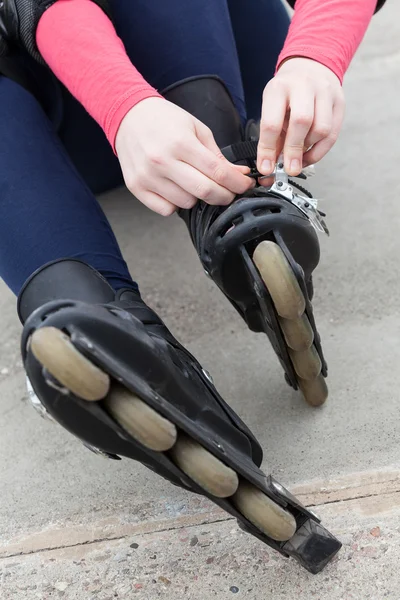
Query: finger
206	157
243	169
266	181
320	149
323	119
200	186
300	122
156	203
174	194
275	102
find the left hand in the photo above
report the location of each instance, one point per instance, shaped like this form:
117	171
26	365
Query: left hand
302	113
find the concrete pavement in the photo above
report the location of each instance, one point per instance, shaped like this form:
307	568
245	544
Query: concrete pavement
68	519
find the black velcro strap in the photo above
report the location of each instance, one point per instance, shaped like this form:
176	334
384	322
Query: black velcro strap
241	151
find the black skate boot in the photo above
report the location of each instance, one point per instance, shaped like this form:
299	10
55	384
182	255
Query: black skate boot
262	249
108	370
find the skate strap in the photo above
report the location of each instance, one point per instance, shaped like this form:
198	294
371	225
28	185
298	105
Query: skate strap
247	151
241	151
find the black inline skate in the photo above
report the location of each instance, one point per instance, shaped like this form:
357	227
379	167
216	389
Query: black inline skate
108	370
262	249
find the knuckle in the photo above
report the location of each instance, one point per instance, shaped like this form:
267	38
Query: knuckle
220	174
189	202
270	127
204	191
322	130
207	133
178	145
166	210
325	85
294	147
132	182
155	159
333	137
277	83
302	119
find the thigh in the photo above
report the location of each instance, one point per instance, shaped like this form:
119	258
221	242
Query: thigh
170	41
260	28
47	211
88	146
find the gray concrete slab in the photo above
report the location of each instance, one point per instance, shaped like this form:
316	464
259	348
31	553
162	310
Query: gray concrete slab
49	482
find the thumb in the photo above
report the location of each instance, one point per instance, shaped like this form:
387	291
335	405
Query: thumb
205	136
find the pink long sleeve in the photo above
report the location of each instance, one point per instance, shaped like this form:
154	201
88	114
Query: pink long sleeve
80	45
328	31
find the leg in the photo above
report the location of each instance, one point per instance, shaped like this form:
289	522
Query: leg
195	40
260	30
192	38
47	211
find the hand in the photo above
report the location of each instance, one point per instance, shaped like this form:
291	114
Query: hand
169	159
302	113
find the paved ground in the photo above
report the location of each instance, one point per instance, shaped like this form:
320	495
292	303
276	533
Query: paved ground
68	519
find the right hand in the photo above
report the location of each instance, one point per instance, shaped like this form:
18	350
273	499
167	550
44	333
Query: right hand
170	159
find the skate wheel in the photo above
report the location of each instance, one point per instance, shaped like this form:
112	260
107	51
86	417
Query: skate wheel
204	468
315	391
307	363
298	333
140	420
273	520
280	280
55	351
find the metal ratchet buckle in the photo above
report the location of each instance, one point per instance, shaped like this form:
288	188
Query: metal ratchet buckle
307	205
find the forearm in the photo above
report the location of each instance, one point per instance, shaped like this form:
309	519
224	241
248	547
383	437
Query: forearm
80	45
328	31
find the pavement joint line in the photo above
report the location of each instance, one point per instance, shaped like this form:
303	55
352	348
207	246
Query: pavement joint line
387	482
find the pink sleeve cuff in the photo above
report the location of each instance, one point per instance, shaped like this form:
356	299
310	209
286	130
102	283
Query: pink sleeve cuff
121	107
328	32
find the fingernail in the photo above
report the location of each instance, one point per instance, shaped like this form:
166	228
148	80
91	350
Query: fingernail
295	165
266	167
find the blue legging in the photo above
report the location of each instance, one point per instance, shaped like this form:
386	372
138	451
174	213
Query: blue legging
48	176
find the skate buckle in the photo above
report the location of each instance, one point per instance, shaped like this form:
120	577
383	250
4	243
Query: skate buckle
308	206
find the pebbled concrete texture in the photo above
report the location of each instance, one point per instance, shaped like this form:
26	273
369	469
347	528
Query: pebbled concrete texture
57	499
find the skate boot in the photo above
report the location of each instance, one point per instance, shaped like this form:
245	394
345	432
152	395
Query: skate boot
261	250
107	369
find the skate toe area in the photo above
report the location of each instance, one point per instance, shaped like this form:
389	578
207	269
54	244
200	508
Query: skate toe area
290	305
55	351
268	516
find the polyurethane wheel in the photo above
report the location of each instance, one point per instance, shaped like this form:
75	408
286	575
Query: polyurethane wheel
315	391
290	305
307	363
140	420
273	520
280	280
203	467
55	351
298	333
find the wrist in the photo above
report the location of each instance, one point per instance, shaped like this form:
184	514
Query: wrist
296	61
118	113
